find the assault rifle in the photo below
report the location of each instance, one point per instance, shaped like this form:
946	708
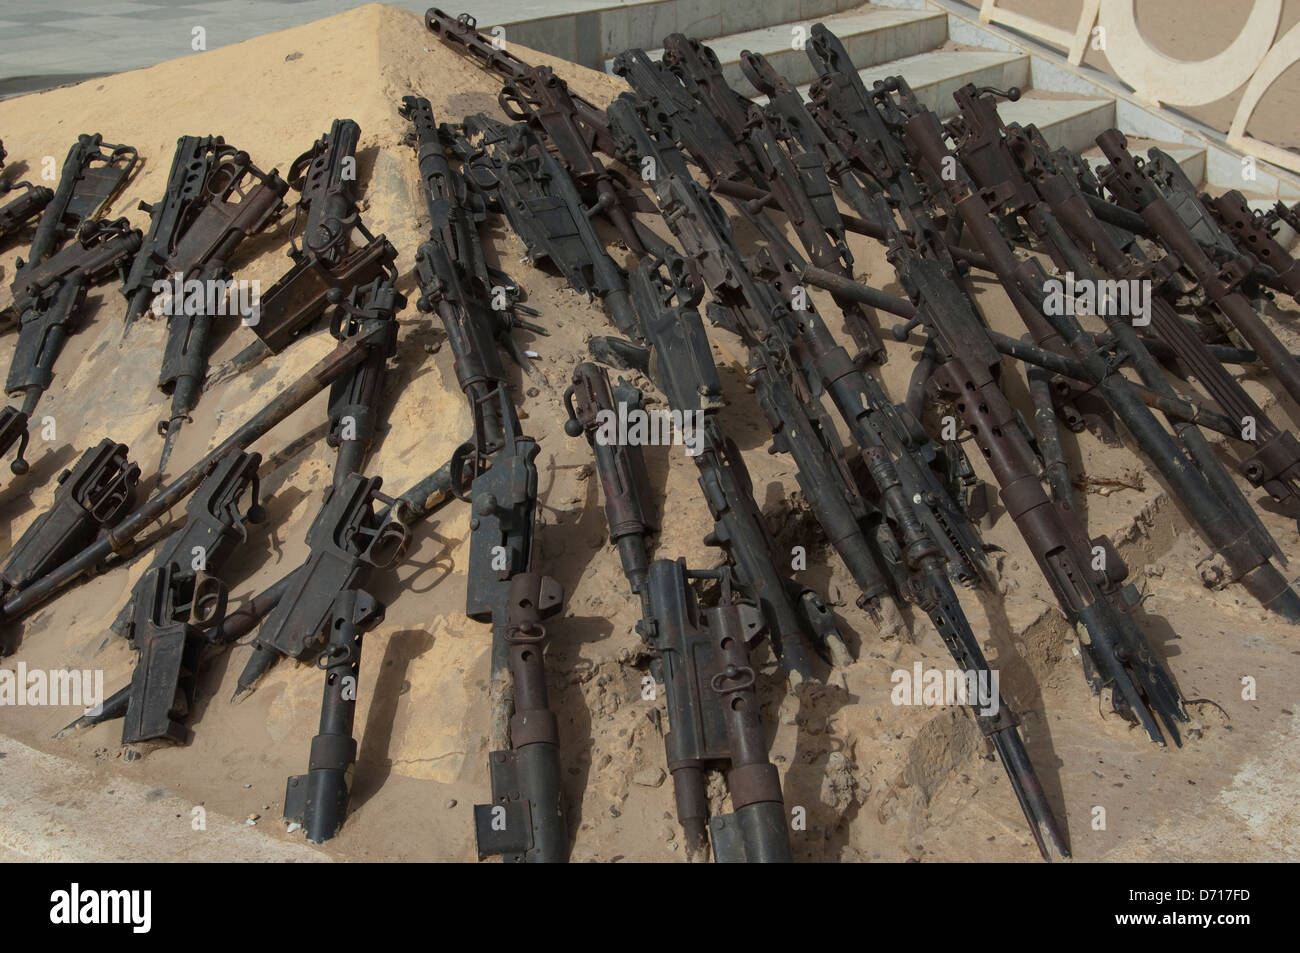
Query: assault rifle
525	821
1275	463
1203	222
188	188
918	565
802	136
354	399
240	200
17	212
180	596
548	214
1143	194
420	501
966	377
1254	231
701	656
120	539
91	177
852	118
988	156
325	613
344	538
541	202
95	493
543	100
701	135
1025	282
461	34
800	185
749	306
478	305
48	299
326	178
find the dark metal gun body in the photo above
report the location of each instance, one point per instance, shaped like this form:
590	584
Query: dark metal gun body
325	611
90	179
1251	232
543	100
95	493
799	184
346	540
119	539
354	404
326	216
525	822
713	713
708	679
852	118
739	526
181	596
1275	462
1025	282
49	303
327	267
701	135
476	304
171	216
27	205
990	160
241	200
759	313
542	203
1220	284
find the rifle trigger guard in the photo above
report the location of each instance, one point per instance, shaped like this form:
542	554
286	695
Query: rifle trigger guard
512	102
460	484
389	542
208	603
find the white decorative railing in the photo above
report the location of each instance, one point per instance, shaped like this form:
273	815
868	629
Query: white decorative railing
1252	60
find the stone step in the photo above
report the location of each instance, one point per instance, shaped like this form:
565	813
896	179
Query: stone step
1190	158
936	75
592	31
1073	123
872	36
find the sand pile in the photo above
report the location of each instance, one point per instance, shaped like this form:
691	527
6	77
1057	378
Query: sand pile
878	781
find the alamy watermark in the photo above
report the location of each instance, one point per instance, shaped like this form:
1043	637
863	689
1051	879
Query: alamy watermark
178	296
67	688
133	908
637	427
1129	298
935	687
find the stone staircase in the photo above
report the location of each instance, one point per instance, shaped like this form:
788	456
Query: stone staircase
933	44
915	44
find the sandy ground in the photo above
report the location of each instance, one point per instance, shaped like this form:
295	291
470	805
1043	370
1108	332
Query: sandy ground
878	781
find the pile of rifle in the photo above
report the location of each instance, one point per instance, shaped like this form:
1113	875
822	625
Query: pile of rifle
901	508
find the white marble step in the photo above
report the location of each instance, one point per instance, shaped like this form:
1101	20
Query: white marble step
873	36
1190	158
936	75
1073	123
